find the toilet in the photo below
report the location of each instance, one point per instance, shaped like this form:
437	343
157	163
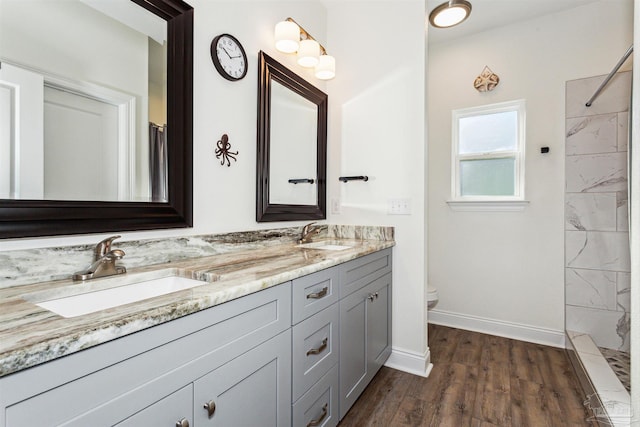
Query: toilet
432	297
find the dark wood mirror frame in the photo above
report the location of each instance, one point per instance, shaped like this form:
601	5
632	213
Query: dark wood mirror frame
271	70
30	218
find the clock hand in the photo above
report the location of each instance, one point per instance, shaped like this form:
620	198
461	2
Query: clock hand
225	51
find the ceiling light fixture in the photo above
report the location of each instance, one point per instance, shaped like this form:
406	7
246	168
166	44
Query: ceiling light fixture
450	13
291	37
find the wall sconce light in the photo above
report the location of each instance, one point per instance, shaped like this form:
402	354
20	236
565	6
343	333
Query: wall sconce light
450	13
291	37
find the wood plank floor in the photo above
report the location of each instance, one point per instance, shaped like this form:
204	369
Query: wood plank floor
477	380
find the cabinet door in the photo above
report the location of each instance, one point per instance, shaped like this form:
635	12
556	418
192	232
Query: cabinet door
253	389
378	325
353	348
365	338
175	409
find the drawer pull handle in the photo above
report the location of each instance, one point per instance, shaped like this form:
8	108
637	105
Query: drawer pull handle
210	406
319	349
317	422
183	423
318	295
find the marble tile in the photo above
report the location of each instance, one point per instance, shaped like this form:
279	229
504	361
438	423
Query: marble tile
610	402
622	211
615	400
582	342
592	135
591	288
597	250
623	131
607	328
614	99
596	173
590	211
623	287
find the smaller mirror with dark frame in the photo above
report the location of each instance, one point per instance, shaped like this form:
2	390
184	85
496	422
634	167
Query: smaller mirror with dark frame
292	145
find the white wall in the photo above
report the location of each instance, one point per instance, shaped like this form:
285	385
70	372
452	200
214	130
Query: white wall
376	128
503	271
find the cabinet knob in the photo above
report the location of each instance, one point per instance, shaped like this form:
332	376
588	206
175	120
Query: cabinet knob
183	423
371	297
210	406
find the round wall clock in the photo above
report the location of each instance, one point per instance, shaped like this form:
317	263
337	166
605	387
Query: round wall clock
229	57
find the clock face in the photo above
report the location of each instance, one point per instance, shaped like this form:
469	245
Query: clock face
229	57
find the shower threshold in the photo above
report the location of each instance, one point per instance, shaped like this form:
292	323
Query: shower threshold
606	397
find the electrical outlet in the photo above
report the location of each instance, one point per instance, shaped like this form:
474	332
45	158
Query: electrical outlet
399	207
335	206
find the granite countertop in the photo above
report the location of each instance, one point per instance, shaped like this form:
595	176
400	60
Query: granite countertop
30	335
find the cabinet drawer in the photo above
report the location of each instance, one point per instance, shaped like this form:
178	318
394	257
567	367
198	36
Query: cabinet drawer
167	412
314	292
315	348
319	406
362	271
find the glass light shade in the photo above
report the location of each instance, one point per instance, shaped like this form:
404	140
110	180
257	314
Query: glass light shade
287	36
326	68
450	13
308	53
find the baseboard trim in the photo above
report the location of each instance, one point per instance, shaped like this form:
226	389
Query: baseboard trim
499	328
410	362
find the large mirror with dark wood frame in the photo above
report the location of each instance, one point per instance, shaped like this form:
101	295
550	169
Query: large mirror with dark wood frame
292	145
97	102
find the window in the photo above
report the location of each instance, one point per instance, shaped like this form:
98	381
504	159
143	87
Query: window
488	152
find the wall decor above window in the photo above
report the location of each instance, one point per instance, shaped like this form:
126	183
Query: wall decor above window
486	81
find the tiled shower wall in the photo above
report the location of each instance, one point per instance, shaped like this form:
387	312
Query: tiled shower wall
596	228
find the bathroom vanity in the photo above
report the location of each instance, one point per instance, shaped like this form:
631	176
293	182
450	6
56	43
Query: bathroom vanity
279	336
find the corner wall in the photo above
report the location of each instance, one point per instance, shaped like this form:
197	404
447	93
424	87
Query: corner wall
376	128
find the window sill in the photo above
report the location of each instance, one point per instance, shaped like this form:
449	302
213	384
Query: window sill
488	205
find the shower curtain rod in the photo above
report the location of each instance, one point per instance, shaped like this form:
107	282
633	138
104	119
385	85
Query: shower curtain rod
606	80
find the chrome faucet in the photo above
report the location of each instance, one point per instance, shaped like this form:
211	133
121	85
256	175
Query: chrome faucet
104	261
307	233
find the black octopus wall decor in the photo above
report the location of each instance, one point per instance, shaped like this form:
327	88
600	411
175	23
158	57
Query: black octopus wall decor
224	151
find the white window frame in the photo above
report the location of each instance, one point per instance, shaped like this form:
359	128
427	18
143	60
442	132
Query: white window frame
518	154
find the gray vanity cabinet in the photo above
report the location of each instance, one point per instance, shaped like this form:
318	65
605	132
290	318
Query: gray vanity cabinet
365	324
300	352
150	378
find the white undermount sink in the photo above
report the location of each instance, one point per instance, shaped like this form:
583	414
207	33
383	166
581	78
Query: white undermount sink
325	246
144	288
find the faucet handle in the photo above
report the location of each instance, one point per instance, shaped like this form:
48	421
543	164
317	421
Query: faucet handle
305	229
114	254
103	247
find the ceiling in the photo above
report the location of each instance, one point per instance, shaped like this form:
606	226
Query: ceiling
487	14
